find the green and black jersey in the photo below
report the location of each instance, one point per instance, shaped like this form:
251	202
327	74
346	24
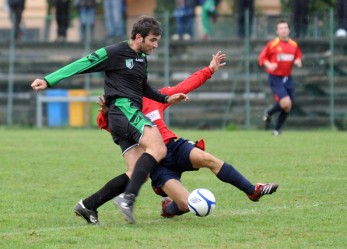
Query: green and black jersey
125	73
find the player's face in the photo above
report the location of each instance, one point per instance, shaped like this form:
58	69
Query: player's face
149	43
283	31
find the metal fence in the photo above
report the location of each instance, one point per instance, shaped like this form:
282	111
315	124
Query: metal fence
242	84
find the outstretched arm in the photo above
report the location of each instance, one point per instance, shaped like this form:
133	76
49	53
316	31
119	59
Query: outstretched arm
198	78
216	61
39	84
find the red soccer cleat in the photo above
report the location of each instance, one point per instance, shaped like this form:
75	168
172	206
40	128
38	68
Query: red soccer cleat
164	203
263	189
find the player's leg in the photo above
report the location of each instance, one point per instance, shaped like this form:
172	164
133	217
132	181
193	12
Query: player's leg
128	122
179	196
224	171
287	97
227	173
286	105
166	182
87	208
276	87
187	157
154	150
282	101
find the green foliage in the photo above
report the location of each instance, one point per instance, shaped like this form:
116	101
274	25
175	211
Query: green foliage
231	127
45	172
314	6
165	5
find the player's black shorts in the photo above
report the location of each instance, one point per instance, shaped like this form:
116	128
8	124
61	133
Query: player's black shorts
126	123
174	164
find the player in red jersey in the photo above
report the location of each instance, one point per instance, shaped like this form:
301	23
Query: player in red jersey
182	155
278	57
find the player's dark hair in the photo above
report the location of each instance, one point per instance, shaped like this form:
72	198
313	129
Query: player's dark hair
282	21
146	25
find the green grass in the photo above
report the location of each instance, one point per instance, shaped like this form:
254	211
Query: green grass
43	173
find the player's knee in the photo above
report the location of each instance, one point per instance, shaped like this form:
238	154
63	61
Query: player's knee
207	159
286	105
161	152
158	152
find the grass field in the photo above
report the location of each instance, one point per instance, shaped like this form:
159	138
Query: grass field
45	172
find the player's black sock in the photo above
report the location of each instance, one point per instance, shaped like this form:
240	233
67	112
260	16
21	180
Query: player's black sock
143	167
172	208
111	189
281	119
274	109
230	175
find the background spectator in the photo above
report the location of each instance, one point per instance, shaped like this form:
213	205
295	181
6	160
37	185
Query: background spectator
62	17
341	18
87	17
185	16
16	10
208	12
300	17
115	11
242	6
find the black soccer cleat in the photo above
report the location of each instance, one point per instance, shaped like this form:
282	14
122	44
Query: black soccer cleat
263	189
125	203
267	120
89	215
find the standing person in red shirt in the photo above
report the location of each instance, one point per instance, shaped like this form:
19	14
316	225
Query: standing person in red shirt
278	57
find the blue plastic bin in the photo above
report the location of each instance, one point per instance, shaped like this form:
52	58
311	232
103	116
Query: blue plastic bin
57	112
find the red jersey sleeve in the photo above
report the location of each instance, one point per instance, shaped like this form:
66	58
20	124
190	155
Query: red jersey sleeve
192	82
263	56
102	121
298	54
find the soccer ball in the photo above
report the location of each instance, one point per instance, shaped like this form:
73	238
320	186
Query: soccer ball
201	202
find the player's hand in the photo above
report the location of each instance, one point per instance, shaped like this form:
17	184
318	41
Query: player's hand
39	84
271	66
216	61
298	63
101	102
176	98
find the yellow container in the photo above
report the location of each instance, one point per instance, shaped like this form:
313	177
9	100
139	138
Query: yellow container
78	110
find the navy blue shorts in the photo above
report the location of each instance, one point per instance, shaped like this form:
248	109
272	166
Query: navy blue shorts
282	86
174	164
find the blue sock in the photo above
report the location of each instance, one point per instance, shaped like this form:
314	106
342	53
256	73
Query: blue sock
274	109
230	175
172	208
281	119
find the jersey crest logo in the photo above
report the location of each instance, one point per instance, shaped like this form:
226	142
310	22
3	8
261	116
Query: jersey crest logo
129	63
92	57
